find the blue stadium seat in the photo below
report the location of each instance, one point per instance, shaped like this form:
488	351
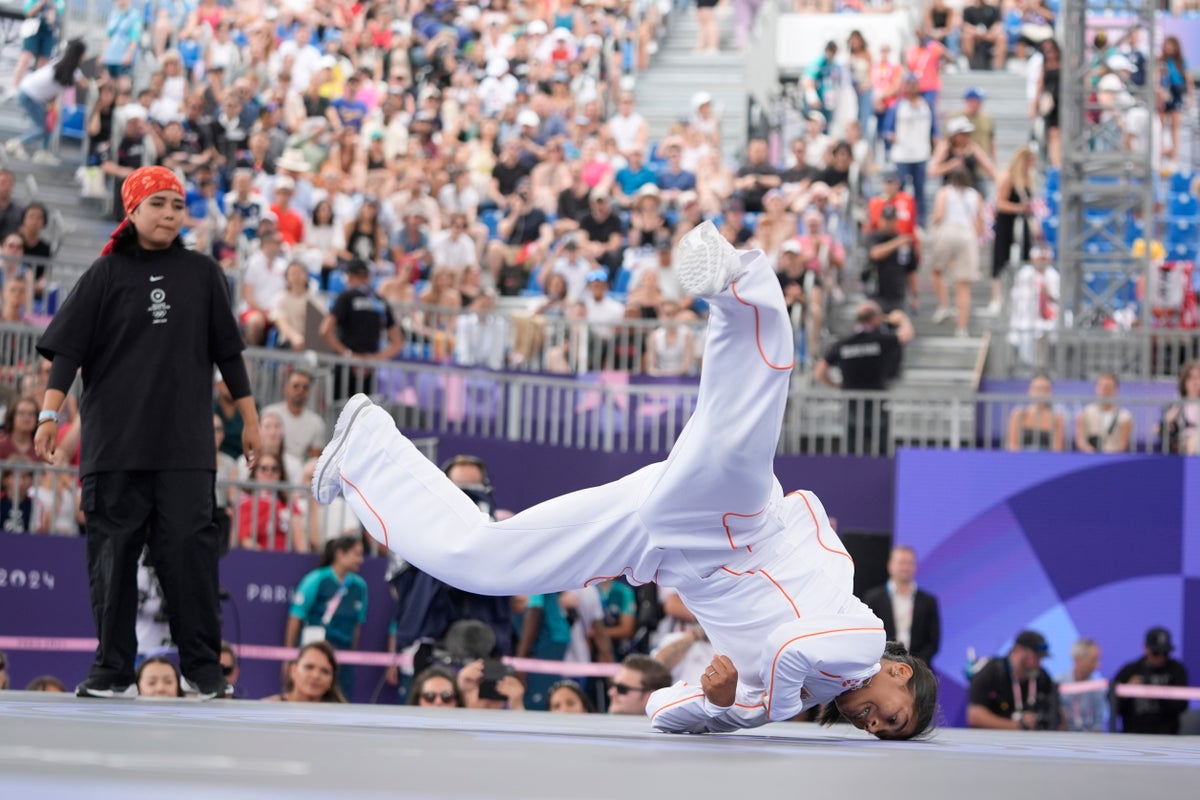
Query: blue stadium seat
1050	229
491	218
1183	252
1182	182
336	283
1182	204
752	220
72	124
1182	230
1099	282
624	276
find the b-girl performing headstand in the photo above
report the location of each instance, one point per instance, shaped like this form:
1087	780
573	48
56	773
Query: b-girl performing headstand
763	572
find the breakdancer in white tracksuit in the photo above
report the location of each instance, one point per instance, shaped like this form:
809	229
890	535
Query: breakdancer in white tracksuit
762	571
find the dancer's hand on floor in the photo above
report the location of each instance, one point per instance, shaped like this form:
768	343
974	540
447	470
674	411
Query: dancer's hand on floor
719	682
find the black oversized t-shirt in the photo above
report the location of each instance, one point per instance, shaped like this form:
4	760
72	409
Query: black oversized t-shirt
869	359
362	316
146	328
600	230
890	273
992	688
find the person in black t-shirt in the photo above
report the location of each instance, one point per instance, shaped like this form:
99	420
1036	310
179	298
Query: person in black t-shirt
757	176
573	202
983	26
605	234
355	328
1155	668
1014	692
146	323
869	360
508	171
129	155
891	261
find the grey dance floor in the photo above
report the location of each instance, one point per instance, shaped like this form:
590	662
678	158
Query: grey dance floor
53	746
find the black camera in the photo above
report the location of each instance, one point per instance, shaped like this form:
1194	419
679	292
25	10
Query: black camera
494	671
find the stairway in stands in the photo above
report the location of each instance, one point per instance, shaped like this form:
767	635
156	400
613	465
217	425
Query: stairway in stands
676	74
78	227
937	363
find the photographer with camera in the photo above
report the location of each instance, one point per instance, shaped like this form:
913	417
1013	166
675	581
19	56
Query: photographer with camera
1014	692
427	609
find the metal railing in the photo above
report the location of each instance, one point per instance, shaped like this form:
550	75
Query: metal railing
617	412
1140	354
611	412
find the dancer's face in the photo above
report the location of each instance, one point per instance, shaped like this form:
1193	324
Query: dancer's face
884	707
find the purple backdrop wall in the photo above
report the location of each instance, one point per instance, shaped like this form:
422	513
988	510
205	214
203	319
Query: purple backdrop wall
1071	545
43	592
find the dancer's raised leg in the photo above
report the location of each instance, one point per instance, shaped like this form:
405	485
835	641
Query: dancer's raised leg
720	472
407	504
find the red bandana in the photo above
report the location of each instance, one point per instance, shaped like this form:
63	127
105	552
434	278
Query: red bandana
140	184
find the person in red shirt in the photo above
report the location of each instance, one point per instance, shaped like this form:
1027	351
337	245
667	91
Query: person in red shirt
924	60
906	221
291	225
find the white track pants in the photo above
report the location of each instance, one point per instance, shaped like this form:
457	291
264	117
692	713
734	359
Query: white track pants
706	499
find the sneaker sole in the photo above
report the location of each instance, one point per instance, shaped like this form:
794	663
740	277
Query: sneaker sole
326	482
107	694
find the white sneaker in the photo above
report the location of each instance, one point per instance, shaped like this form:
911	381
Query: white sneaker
961	333
327	477
992	309
47	158
707	263
13	145
942	314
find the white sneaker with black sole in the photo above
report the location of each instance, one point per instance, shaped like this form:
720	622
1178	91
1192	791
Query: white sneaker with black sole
93	688
327	479
192	691
706	263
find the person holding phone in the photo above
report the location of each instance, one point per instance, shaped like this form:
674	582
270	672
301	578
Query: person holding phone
764	573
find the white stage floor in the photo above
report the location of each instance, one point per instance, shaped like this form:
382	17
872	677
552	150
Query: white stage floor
55	746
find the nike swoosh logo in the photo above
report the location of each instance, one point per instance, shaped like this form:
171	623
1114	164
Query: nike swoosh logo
154	278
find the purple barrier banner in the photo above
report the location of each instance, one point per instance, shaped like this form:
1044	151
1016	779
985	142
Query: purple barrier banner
44	592
1069	545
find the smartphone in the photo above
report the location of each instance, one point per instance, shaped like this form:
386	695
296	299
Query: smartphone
494	670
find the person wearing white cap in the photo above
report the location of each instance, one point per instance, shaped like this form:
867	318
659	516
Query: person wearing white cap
764	574
629	128
704	118
498	89
958	149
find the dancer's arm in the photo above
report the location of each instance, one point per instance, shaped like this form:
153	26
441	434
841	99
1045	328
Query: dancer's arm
815	659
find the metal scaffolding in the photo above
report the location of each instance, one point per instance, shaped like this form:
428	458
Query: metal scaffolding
1107	188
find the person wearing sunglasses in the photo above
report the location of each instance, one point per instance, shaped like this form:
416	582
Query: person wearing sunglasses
435	688
764	574
267	516
631	687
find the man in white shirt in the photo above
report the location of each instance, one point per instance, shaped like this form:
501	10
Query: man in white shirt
910	616
629	128
911	137
262	284
303	428
602	313
575	267
454	247
306	58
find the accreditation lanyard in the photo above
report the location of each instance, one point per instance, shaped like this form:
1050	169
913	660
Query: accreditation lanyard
335	601
1018	699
